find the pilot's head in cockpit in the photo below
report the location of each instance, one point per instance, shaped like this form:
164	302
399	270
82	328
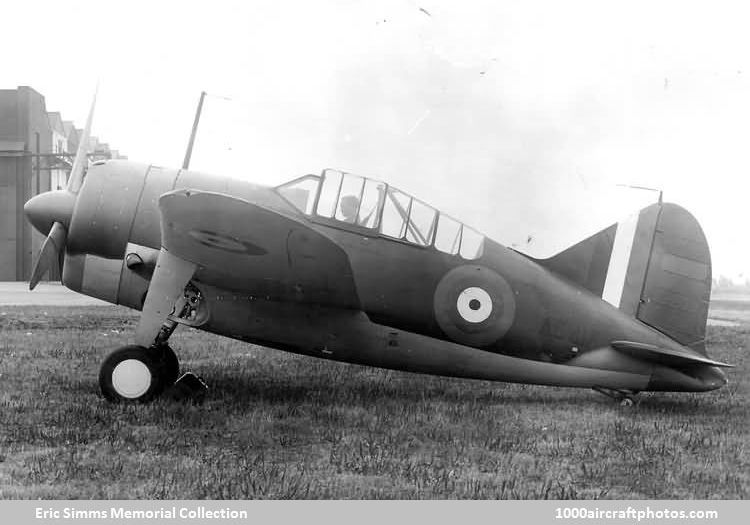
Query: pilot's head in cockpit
349	207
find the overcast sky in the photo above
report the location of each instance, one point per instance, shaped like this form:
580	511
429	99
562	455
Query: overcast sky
519	118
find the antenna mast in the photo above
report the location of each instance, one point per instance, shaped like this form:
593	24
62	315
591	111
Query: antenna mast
661	192
189	152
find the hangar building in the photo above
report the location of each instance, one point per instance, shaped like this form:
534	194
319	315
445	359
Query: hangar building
36	153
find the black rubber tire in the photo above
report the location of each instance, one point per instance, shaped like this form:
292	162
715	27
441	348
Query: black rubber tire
138	353
170	365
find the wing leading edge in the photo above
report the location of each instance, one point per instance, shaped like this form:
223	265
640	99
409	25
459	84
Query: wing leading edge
246	248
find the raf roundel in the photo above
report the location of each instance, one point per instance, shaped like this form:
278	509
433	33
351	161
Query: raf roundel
225	242
474	305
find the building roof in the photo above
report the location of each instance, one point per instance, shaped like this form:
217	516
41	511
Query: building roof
69	127
71	132
56	122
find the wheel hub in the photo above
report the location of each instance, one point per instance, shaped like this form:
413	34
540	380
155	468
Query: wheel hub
131	378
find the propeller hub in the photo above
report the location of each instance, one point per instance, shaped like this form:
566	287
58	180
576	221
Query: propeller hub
47	208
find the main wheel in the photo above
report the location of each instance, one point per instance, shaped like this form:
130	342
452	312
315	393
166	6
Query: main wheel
131	374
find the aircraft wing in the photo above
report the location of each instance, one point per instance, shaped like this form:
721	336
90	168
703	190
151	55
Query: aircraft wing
666	356
242	247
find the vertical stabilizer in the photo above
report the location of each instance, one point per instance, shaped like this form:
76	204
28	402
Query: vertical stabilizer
629	260
655	266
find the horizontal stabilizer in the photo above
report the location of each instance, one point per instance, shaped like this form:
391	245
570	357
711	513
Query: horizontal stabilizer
665	356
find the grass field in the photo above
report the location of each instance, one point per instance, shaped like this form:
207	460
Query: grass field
277	425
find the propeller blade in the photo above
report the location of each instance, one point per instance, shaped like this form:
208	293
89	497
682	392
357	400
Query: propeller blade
81	160
49	255
51	204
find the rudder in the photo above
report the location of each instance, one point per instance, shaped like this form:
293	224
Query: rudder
677	287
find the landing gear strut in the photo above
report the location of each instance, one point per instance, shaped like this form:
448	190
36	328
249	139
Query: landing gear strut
625	397
139	374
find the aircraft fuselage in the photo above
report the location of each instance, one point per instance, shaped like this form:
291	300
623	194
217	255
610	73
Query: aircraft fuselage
397	305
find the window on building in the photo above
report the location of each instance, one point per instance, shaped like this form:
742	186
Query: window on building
301	192
448	235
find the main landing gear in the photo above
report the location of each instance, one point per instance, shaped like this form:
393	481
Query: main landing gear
625	397
136	374
139	373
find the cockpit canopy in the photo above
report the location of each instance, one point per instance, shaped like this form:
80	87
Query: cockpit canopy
347	200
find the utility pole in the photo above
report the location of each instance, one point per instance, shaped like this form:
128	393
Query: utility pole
189	152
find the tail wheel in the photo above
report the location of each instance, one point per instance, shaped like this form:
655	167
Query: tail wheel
131	374
170	365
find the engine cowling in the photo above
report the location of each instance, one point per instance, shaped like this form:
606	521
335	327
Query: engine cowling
100	228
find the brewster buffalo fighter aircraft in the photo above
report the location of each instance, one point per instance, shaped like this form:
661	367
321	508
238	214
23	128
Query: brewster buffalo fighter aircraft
352	269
